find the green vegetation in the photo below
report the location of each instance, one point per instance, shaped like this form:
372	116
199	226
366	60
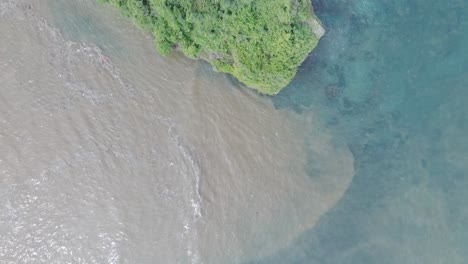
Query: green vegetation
260	42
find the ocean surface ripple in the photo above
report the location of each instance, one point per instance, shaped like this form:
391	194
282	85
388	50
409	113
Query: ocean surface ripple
111	153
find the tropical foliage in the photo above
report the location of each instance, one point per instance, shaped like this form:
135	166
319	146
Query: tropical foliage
260	42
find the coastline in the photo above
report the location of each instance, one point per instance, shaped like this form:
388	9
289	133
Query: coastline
261	44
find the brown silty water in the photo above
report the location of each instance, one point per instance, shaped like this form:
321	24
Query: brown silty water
110	153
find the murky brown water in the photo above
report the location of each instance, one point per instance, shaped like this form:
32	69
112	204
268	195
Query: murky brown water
110	153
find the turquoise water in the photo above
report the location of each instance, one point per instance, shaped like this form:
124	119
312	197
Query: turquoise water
391	79
113	154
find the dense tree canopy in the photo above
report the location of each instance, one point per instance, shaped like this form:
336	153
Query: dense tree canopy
260	42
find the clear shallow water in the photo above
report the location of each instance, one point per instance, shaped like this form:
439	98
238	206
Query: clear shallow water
391	77
111	154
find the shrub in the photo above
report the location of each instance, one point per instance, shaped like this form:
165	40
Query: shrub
260	42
